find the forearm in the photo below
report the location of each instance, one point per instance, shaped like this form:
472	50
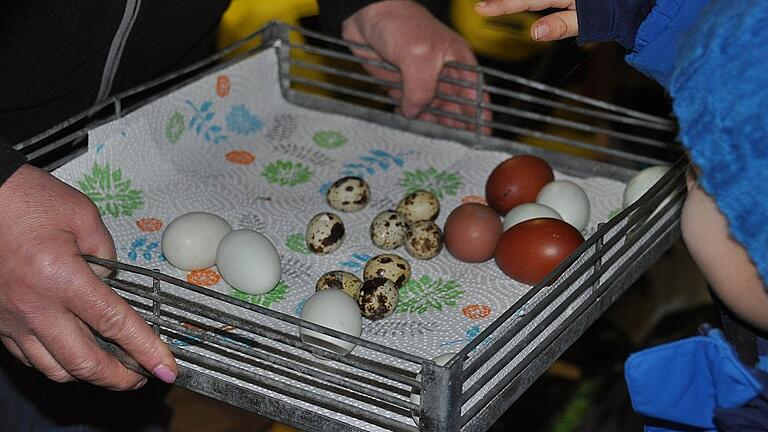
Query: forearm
611	20
10	161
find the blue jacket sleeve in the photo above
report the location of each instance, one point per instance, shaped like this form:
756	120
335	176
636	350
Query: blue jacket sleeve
655	47
611	20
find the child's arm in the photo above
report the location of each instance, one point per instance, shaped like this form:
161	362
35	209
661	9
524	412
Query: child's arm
592	20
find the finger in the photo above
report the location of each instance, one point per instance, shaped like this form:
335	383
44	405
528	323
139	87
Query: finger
420	72
43	361
556	26
108	314
14	349
506	7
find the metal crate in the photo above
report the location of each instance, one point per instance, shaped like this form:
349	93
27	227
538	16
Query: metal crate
473	389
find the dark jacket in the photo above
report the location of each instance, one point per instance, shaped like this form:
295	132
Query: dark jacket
59	58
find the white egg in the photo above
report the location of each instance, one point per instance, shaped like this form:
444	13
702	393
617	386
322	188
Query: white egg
248	261
190	241
440	360
527	211
336	310
642	182
569	200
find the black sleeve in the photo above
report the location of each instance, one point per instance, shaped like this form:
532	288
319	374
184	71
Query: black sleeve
334	12
10	160
611	20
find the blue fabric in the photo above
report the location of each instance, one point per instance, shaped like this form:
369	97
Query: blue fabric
611	20
655	47
720	91
750	417
682	383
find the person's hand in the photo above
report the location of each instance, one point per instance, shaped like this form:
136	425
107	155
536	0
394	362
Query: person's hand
50	298
406	35
555	26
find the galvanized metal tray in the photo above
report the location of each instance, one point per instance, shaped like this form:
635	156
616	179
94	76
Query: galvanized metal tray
319	390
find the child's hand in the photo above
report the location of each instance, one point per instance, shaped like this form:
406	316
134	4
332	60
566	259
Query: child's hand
555	26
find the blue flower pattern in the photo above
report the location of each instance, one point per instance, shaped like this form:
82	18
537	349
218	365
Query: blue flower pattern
369	163
357	262
147	250
242	122
202	123
471	333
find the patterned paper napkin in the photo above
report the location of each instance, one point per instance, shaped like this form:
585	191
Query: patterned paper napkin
230	144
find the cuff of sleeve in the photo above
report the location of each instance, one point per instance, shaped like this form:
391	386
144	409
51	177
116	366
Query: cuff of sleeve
611	21
657	38
334	12
10	160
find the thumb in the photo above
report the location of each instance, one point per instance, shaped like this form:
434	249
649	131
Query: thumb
92	236
556	26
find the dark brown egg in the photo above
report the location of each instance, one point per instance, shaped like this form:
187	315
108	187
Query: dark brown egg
515	181
471	232
530	250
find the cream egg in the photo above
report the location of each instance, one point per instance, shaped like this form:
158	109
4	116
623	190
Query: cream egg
642	182
190	241
248	261
528	211
440	360
336	310
569	200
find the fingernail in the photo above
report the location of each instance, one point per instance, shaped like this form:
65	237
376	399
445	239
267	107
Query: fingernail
140	384
540	31
165	374
481	4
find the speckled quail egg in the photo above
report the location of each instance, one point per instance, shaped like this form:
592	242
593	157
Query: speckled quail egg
424	240
378	298
339	279
388	230
390	266
418	206
348	194
325	233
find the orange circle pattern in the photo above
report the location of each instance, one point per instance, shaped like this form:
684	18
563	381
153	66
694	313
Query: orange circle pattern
476	311
149	224
205	277
477	199
241	157
223	86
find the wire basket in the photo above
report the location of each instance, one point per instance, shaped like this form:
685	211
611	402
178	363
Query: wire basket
315	389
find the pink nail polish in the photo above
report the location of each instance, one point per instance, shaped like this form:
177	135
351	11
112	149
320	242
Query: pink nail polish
540	31
165	374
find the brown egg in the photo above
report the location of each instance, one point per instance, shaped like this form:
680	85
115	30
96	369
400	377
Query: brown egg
529	250
471	232
515	181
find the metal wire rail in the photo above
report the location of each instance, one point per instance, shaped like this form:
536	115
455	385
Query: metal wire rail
491	371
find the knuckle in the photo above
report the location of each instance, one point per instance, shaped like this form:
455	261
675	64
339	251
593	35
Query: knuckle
88	369
113	323
58	375
561	27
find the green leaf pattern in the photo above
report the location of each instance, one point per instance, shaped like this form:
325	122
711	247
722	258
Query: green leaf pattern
111	193
287	173
174	128
266	299
439	183
329	139
297	243
424	294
